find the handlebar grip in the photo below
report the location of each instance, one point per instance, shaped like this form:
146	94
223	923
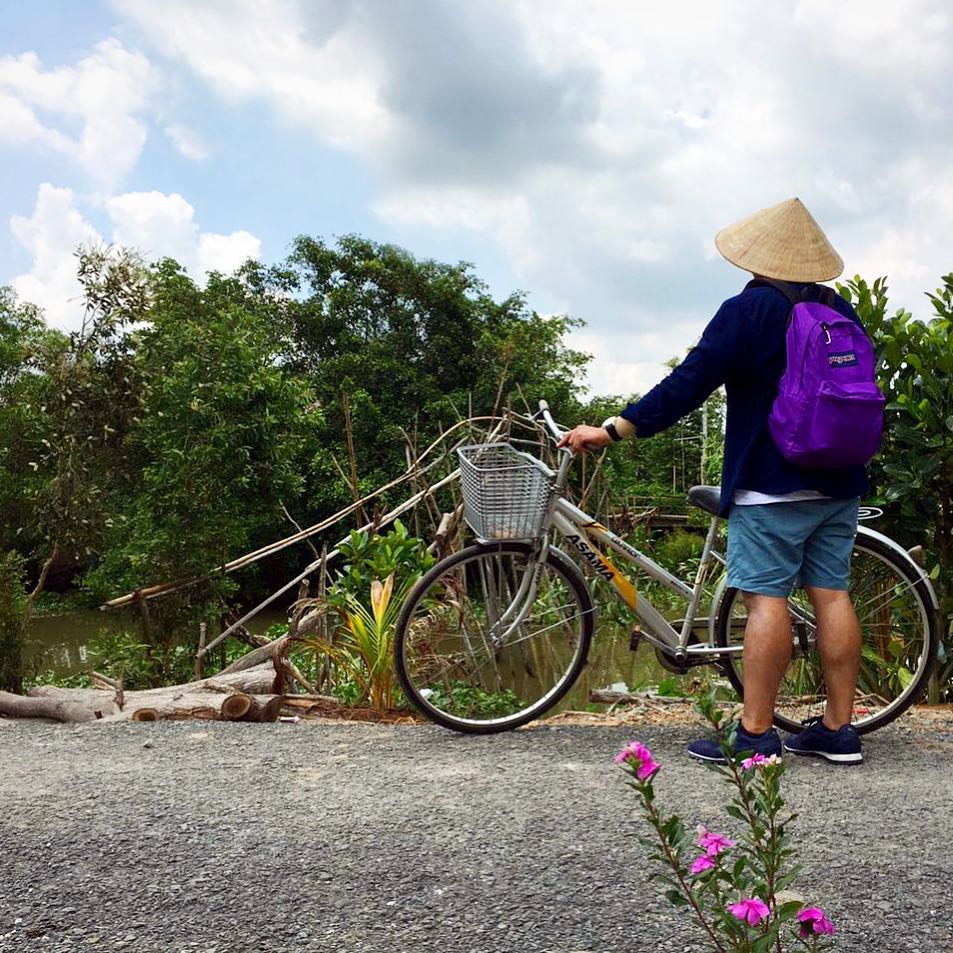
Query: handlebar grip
547	418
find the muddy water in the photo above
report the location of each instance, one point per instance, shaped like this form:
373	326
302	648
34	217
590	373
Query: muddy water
59	644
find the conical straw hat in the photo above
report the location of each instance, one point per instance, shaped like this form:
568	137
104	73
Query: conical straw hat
781	242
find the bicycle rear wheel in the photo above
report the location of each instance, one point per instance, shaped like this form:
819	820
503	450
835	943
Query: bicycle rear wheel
900	633
472	657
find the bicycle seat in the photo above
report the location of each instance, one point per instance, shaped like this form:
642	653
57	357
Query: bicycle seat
706	497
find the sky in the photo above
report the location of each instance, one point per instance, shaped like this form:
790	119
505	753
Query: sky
584	152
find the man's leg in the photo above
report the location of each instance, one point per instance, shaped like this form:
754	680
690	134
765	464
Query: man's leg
767	652
764	557
838	644
826	575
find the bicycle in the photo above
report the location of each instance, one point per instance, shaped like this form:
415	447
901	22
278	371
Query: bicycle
493	636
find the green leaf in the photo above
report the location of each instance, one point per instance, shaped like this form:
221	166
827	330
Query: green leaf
676	898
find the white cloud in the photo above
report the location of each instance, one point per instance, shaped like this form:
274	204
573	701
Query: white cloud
51	235
164	226
602	145
19	124
156	224
224	253
259	50
187	142
623	363
105	94
159	225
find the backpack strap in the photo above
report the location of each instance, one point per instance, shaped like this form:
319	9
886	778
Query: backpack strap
794	294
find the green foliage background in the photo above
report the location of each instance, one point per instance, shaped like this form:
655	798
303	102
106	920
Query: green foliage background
185	424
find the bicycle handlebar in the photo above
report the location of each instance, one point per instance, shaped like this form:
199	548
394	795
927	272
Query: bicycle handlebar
555	429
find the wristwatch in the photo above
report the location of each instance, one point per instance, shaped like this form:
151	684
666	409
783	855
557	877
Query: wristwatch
609	427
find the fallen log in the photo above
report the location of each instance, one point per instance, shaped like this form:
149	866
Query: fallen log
276	650
265	708
102	698
209	693
247	695
310	703
255	657
56	707
234	707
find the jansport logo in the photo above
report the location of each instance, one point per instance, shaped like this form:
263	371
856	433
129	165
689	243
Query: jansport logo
842	359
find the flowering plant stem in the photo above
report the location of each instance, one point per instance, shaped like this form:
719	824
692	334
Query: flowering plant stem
670	855
735	888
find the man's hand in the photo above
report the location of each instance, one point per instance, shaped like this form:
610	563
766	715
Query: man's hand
584	438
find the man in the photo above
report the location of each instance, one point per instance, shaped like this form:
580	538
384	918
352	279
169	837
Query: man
787	525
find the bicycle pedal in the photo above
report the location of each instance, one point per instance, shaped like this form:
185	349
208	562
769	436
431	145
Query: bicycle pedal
635	639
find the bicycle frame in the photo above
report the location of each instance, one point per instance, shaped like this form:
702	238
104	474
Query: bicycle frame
582	531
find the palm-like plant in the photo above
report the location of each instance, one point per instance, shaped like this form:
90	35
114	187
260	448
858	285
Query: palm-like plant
364	643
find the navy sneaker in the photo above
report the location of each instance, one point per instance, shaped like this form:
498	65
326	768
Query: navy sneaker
767	743
841	746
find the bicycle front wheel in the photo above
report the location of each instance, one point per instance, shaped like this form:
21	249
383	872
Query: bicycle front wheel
899	631
477	651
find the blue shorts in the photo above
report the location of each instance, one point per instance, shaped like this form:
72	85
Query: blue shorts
774	547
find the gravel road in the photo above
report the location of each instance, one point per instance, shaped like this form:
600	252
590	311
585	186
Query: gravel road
339	838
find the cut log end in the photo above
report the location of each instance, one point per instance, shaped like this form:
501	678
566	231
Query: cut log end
235	707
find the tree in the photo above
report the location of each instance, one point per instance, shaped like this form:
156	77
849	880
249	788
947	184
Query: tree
218	444
395	345
61	396
913	474
23	336
182	424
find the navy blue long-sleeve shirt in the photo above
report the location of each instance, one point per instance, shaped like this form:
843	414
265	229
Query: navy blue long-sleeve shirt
743	348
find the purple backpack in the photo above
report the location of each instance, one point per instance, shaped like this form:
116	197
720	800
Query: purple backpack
829	410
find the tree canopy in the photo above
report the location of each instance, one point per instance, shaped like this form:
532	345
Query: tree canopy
184	424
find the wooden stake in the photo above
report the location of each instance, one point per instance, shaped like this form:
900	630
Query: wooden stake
352	455
200	654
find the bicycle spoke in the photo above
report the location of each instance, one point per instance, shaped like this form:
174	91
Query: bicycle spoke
896	643
456	662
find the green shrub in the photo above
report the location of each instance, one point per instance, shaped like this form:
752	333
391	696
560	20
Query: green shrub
13	604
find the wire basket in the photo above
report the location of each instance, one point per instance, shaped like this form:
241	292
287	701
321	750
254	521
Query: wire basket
506	492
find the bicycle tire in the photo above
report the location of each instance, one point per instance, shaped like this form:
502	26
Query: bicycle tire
905	626
445	660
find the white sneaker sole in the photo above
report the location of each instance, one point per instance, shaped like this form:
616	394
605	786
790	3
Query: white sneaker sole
701	757
718	760
855	758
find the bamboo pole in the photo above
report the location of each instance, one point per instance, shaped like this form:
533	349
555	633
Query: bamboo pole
151	592
326	557
383	521
352	455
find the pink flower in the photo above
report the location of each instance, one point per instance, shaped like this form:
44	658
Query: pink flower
812	920
713	843
752	911
755	759
701	864
636	756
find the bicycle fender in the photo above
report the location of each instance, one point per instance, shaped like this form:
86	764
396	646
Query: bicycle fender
899	551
